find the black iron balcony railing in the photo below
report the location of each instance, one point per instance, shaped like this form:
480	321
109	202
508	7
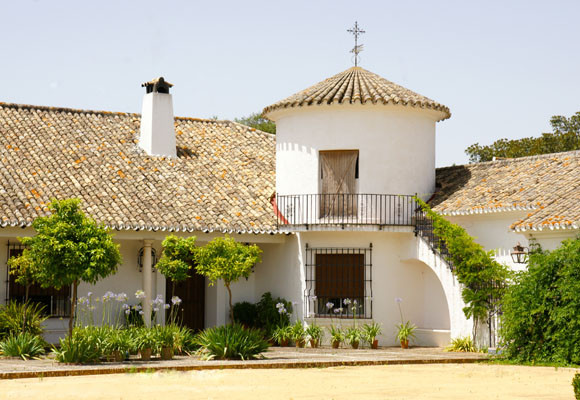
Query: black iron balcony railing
346	209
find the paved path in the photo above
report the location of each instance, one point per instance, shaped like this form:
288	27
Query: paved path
276	357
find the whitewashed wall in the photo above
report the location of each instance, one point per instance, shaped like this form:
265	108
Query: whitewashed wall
396	147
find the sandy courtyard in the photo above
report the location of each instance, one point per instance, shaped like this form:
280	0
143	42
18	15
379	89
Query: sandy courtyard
446	381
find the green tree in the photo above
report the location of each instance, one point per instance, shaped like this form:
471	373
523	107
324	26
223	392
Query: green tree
565	137
22	268
177	259
224	258
69	248
541	309
258	121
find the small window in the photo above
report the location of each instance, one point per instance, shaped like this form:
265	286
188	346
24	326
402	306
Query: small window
337	280
56	302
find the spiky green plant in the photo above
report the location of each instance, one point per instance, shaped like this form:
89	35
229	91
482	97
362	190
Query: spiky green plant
464	344
17	318
231	342
24	345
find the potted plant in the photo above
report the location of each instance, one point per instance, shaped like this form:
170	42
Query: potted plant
370	333
353	336
120	343
314	333
336	336
146	342
282	335
298	334
165	341
405	331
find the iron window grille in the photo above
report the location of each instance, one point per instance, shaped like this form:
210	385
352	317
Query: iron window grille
56	302
338	282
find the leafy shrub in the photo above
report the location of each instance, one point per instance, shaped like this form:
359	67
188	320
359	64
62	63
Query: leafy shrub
120	340
24	345
336	334
183	339
541	310
268	317
245	313
464	344
231	342
576	386
164	335
85	345
144	338
406	331
297	332
17	317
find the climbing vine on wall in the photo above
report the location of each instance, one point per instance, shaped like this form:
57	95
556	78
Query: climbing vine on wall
484	280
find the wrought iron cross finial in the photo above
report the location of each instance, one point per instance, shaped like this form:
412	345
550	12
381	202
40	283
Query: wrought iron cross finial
356	31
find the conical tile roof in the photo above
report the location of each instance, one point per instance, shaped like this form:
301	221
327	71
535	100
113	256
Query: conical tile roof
358	85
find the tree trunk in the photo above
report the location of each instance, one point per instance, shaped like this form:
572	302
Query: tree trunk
230	299
25	307
26	293
73	306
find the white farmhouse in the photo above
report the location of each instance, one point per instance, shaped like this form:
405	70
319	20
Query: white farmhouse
329	200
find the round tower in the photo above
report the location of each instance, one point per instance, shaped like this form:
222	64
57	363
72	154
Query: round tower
356	132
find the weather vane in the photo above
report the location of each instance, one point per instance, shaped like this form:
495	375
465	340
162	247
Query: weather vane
356	31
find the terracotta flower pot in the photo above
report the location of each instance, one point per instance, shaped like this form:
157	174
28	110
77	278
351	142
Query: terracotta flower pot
313	343
354	345
405	344
145	354
300	343
375	344
166	353
118	356
284	343
335	344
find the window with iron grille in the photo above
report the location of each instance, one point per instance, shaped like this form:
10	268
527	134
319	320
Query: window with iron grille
56	302
339	282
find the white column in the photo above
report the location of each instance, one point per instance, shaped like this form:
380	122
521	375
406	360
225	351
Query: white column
147	280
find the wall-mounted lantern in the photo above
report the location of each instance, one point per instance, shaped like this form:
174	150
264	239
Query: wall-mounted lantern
140	258
520	254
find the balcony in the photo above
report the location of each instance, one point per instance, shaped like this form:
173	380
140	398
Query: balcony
328	211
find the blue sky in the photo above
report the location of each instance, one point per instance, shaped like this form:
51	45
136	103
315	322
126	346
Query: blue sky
502	67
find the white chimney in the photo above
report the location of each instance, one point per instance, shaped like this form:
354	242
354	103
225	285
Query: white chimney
157	122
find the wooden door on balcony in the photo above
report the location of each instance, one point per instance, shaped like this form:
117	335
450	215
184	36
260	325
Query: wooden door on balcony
338	173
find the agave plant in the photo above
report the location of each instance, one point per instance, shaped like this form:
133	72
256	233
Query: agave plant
25	345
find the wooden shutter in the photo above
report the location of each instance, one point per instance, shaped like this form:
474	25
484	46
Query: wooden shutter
340	276
338	186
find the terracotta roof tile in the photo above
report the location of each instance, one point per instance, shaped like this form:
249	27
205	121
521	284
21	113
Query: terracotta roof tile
547	185
358	85
221	180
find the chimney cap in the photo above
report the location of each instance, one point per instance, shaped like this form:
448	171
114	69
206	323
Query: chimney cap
158	85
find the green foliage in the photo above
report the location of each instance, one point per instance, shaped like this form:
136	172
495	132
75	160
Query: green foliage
245	313
483	279
565	137
282	334
18	318
464	344
224	258
144	338
24	345
371	331
69	247
406	331
576	386
85	345
258	121
269	316
541	310
297	332
165	336
353	335
120	340
336	334
231	342
314	332
177	258
22	268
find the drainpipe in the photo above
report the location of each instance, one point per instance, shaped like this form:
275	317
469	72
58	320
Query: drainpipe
147	281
